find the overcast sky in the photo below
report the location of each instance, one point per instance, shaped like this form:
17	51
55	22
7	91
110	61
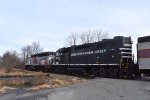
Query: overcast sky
50	21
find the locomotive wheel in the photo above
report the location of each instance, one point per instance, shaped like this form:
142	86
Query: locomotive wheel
114	72
95	71
102	72
88	71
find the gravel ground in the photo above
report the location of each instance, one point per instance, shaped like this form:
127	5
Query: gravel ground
94	89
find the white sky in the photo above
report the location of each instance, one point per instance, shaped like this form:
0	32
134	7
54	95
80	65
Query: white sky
50	21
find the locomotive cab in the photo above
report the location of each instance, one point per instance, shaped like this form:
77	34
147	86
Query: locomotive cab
44	58
41	61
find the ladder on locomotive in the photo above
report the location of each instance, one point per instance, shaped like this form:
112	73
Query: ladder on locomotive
124	69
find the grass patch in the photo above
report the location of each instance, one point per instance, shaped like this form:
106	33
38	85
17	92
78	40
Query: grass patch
19	73
33	80
5	88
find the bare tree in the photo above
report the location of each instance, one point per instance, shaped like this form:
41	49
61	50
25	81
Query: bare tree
26	53
36	48
72	39
28	50
1	61
11	59
99	35
83	38
105	35
87	37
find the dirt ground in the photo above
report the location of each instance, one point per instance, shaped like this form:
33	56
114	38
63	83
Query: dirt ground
30	80
30	85
93	89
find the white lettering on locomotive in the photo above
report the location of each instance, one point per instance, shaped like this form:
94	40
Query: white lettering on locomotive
89	52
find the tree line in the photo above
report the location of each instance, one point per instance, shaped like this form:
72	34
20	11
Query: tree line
13	59
85	37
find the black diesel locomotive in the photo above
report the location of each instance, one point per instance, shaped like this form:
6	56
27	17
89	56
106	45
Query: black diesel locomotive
110	57
107	58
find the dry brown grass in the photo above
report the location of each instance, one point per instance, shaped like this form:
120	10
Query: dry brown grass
37	83
56	83
13	82
39	87
34	80
5	88
19	73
